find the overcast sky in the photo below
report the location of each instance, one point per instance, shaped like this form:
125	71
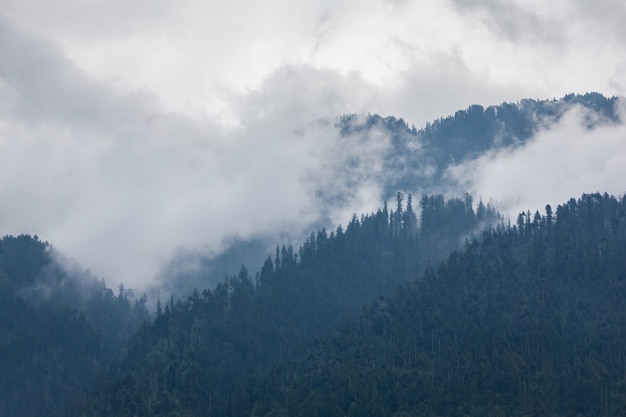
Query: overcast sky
130	129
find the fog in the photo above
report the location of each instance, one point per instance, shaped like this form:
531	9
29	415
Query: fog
120	184
558	163
130	133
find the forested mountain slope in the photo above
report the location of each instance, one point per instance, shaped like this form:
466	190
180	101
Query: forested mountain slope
527	320
201	354
387	154
58	330
222	349
418	158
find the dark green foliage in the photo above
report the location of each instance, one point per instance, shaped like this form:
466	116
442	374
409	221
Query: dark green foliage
57	333
525	321
475	130
211	353
418	159
413	160
530	320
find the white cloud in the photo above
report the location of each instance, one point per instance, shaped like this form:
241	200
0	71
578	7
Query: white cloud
561	162
111	178
128	130
194	55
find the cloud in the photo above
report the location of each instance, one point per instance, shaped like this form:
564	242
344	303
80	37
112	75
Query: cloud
557	23
516	21
195	55
130	131
536	41
120	184
563	161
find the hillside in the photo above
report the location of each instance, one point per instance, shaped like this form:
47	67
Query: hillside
59	329
526	320
538	294
212	343
418	158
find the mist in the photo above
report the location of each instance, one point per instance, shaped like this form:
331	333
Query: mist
121	185
579	154
129	144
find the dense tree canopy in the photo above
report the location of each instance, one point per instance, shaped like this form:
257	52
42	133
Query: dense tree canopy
418	158
218	344
526	319
523	318
58	330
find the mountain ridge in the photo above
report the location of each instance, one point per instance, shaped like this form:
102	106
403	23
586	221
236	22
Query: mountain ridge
413	161
239	329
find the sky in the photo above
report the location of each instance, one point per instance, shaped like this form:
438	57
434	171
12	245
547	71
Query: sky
132	130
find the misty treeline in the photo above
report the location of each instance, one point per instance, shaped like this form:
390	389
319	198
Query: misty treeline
204	355
60	327
410	159
244	346
529	319
419	158
526	319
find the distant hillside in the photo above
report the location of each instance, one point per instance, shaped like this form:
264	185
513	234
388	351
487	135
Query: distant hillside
59	329
410	160
417	159
527	320
211	344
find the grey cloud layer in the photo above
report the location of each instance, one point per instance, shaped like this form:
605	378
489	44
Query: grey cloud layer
193	55
113	180
561	162
112	176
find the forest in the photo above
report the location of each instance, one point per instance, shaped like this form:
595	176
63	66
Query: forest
419	158
58	330
524	319
411	159
437	306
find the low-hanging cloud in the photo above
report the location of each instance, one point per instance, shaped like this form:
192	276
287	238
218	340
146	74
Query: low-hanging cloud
425	59
120	184
559	162
128	132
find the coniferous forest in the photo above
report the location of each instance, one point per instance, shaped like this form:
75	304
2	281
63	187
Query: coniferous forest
429	306
202	354
525	319
58	330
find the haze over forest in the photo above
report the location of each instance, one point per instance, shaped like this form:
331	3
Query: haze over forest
322	208
158	128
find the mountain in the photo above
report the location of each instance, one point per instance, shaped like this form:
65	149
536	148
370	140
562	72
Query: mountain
385	153
60	327
212	343
247	341
418	159
526	319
